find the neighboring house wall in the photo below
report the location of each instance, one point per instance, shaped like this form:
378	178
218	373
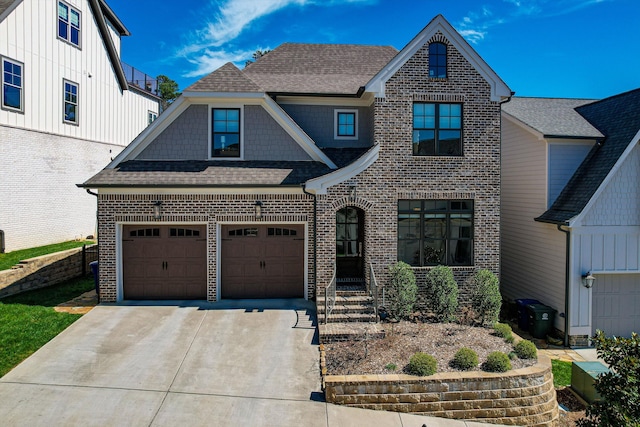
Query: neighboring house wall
564	159
533	253
318	122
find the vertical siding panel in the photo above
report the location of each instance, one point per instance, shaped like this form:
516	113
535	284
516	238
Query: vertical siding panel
597	247
632	251
609	251
620	255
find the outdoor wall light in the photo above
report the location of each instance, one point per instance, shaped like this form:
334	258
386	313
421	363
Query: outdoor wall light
588	280
258	207
157	210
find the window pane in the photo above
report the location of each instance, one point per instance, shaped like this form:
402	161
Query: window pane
341	217
70	112
460	252
435	226
220	114
62	11
340	231
62	29
233	115
75	18
75	36
461	205
340	246
409	252
424	142
409	205
449	143
352	216
434	252
408	226
435	205
11	96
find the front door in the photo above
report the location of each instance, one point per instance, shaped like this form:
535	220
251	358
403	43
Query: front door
350	244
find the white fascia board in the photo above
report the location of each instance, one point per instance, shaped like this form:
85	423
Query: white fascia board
218	96
296	132
577	220
365	101
523	125
321	184
499	90
151	132
201	190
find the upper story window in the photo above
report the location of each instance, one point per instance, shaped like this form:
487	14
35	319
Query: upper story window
345	124
68	24
12	81
435	232
225	132
151	116
70	102
438	60
437	129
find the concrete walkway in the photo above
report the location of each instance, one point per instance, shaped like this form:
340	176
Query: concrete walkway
242	363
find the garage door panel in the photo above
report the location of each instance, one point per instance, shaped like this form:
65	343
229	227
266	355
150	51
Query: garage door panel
615	303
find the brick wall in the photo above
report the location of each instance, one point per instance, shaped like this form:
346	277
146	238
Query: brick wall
46	270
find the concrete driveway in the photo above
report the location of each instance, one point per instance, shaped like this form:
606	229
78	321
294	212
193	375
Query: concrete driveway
250	362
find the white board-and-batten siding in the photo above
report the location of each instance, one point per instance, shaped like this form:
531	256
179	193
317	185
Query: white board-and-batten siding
105	112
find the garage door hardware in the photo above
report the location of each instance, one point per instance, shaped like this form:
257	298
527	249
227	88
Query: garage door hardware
165	265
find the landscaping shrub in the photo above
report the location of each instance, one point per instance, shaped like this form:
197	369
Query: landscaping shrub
503	331
442	293
497	362
525	349
422	364
485	297
465	359
402	290
619	388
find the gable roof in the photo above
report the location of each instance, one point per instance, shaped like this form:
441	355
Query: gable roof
499	90
227	78
552	117
328	69
618	118
6	6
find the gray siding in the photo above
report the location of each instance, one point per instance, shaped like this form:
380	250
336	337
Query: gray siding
564	159
264	139
185	139
317	122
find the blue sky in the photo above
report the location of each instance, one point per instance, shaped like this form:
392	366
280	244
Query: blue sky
550	48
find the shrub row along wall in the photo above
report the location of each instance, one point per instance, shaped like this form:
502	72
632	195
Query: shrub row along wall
45	270
522	397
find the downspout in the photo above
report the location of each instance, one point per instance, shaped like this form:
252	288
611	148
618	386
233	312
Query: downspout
96	236
315	237
567	270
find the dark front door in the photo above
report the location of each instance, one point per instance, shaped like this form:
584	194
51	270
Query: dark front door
350	244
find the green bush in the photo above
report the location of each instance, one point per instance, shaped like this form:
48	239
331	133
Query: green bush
497	362
503	331
485	297
465	359
442	293
422	364
525	349
402	290
619	388
391	366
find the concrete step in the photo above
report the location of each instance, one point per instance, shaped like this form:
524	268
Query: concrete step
351	308
350	300
348	318
332	332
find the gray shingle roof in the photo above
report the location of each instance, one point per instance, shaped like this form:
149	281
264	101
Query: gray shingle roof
4	5
319	68
227	78
552	117
617	117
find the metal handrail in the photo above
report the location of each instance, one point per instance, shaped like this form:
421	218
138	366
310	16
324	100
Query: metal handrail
330	297
373	290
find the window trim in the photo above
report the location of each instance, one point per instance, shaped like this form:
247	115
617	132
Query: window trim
437	129
336	114
421	238
2	105
151	117
446	60
68	23
75	122
230	106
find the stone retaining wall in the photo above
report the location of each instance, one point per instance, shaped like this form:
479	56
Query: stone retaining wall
45	270
522	397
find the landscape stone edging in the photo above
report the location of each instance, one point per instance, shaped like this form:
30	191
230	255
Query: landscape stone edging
523	397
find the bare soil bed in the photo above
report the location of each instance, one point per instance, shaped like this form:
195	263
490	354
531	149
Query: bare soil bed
403	339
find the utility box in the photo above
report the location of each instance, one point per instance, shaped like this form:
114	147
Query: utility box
540	319
583	378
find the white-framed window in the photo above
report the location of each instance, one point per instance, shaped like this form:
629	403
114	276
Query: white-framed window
70	102
345	124
226	136
68	24
151	116
12	84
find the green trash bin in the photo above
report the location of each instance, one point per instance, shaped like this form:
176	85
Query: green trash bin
540	319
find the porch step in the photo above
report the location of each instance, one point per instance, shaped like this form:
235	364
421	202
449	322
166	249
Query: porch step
332	332
348	309
347	300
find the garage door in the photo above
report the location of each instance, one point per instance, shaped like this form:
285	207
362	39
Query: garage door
616	298
262	261
164	262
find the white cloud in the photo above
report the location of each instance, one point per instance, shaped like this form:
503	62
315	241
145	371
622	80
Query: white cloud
473	36
209	60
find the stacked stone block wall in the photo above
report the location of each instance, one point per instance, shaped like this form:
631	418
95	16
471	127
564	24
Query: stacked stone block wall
45	270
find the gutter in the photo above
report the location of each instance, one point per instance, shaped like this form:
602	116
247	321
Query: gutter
567	270
315	237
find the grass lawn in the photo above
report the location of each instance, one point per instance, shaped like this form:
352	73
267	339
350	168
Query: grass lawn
561	373
10	259
28	320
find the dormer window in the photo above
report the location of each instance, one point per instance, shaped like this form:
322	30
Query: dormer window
68	24
345	124
437	60
225	125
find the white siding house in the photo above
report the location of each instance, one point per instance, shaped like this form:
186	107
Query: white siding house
67	110
570	207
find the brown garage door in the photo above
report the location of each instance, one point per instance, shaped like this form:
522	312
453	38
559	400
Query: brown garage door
164	262
262	261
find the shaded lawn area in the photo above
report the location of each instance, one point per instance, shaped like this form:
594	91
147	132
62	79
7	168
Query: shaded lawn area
10	259
28	320
561	373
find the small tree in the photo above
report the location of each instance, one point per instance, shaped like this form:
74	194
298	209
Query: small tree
442	293
619	388
402	290
485	297
167	91
256	55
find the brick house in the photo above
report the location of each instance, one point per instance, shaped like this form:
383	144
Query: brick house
315	159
